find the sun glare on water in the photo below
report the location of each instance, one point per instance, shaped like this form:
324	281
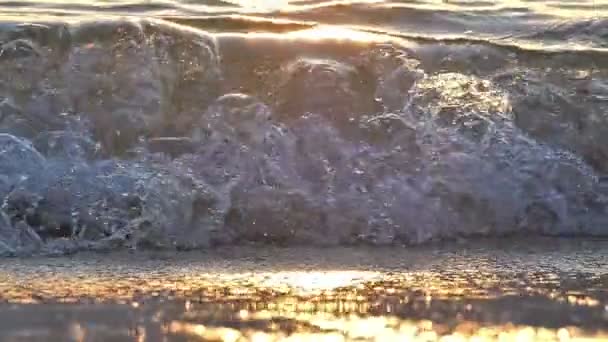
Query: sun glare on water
317	280
336	33
217	301
278	5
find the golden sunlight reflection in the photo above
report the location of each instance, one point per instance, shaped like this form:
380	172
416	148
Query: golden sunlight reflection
264	5
324	327
203	332
321	33
557	8
287	5
274	295
311	281
331	305
336	33
563	9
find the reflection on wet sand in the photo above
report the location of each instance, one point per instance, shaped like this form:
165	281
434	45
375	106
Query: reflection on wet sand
545	290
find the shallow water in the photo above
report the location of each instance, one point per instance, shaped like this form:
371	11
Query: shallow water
492	290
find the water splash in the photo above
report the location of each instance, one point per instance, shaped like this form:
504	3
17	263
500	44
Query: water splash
139	133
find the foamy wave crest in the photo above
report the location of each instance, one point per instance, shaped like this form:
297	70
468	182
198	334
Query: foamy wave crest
136	133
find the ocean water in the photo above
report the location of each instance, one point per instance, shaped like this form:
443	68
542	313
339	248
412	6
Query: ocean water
241	170
194	124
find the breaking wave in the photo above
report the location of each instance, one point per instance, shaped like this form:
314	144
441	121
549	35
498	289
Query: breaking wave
143	133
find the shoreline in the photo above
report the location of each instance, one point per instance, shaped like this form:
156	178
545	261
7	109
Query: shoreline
525	290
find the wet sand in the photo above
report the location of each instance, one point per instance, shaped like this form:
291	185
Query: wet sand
487	290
